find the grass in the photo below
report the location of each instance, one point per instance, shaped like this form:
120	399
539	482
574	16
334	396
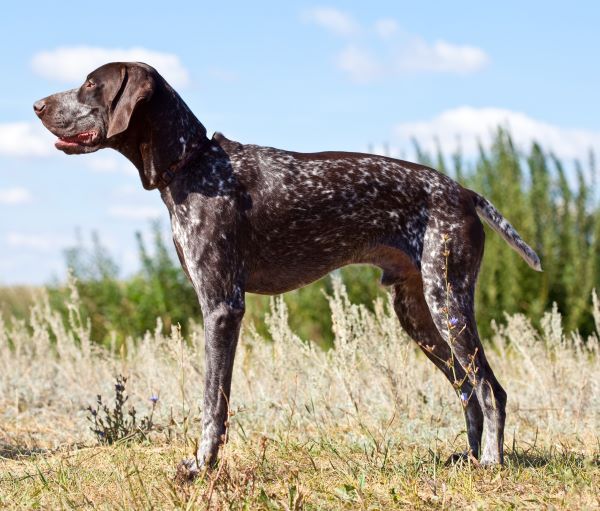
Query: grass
17	300
367	425
281	473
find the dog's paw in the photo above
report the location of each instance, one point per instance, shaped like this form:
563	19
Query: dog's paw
490	462
460	458
187	471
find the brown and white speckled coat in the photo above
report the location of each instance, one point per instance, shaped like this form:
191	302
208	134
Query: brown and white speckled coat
256	219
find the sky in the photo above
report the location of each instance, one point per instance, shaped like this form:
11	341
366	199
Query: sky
296	75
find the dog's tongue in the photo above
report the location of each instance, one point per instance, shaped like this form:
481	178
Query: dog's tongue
80	138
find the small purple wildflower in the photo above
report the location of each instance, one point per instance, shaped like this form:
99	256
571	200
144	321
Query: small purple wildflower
453	321
154	399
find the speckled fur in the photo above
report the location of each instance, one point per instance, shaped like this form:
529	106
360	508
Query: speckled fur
256	219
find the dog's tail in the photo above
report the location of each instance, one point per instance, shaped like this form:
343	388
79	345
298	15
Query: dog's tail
496	221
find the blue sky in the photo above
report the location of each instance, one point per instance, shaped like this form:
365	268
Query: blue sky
297	75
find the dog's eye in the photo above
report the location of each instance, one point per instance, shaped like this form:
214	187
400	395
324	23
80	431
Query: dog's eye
89	84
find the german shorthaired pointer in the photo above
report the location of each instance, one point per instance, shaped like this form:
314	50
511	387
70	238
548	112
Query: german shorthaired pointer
256	219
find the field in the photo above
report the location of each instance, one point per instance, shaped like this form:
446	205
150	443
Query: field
366	425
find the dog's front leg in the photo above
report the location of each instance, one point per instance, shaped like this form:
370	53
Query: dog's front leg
223	310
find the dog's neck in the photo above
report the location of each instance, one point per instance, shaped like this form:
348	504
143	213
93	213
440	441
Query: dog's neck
164	145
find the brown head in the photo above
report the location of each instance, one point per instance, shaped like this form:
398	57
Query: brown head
124	106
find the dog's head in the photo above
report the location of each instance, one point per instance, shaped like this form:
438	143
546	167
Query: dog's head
88	118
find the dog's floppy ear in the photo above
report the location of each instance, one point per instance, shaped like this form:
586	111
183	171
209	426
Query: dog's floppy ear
136	84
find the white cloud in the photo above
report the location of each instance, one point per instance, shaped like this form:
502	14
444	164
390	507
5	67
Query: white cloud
384	50
361	65
440	57
16	195
466	125
135	212
25	139
73	63
409	55
333	20
386	27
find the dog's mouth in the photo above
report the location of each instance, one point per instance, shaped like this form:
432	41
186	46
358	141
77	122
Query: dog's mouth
81	141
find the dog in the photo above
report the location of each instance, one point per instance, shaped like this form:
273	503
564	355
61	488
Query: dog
247	218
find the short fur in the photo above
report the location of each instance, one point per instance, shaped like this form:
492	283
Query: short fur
247	218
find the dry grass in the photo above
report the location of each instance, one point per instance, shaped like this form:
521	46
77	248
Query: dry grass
367	425
17	300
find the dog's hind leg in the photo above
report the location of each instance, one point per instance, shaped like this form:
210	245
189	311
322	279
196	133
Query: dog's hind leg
414	316
451	256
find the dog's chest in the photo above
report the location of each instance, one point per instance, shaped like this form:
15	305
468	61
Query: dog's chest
203	228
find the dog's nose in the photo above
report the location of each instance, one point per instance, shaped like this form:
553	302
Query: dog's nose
39	107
